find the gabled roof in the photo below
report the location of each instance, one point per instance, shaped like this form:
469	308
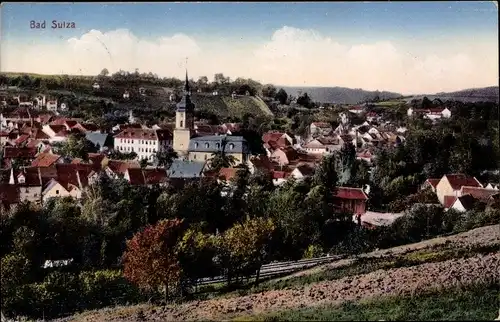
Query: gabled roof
121	166
458	180
145	134
306	169
21	139
261	162
350	193
449	201
467	201
186	169
478	192
67	174
45	160
154	176
98	138
433	182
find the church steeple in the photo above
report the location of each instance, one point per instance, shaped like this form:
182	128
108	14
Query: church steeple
186	85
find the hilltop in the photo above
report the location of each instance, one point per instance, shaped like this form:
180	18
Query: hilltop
226	106
471	95
429	270
339	95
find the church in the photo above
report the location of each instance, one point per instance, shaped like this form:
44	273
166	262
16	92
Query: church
189	146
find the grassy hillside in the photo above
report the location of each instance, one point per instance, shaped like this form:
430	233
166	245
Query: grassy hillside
453	277
339	95
226	106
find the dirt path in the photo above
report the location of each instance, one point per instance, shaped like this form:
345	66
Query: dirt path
398	281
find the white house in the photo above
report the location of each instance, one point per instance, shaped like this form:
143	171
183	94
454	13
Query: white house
144	142
40	101
126	95
215	93
431	113
63	106
96	86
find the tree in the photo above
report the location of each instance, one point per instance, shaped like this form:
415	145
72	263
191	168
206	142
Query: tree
281	96
151	259
305	100
77	147
243	248
269	91
221	159
166	157
104	72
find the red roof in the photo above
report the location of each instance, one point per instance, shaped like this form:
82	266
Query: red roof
262	162
458	180
67	174
11	152
9	194
135	176
121	166
449	201
21	139
350	193
154	176
145	134
276	137
45	160
433	182
478	193
32	176
280	174
227	173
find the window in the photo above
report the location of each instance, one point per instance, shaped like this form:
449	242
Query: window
206	145
231	146
57	192
196	145
181	123
194	156
217	145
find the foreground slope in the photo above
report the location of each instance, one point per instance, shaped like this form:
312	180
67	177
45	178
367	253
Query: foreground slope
478	260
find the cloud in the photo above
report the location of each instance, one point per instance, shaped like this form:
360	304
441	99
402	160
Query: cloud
291	56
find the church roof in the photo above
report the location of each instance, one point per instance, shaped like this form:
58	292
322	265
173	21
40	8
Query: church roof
213	143
186	103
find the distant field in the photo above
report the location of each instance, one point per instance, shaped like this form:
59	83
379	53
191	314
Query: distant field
389	103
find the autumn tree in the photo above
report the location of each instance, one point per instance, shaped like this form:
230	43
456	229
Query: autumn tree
151	259
243	248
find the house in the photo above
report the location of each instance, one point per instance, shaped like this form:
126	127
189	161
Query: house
184	169
86	127
202	148
302	171
320	129
279	177
430	113
4	137
29	181
430	184
315	147
283	156
450	185
478	193
115	169
461	204
70	181
40	101
142	91
96	86
350	200
46	160
146	177
144	142
63	106
372	116
356	109
56	133
98	161
366	156
259	163
23	155
126	95
273	140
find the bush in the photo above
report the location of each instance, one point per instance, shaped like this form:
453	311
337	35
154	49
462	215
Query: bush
313	251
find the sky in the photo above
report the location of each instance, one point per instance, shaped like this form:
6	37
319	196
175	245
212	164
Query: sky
405	47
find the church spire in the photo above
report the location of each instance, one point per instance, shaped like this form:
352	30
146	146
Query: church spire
186	85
